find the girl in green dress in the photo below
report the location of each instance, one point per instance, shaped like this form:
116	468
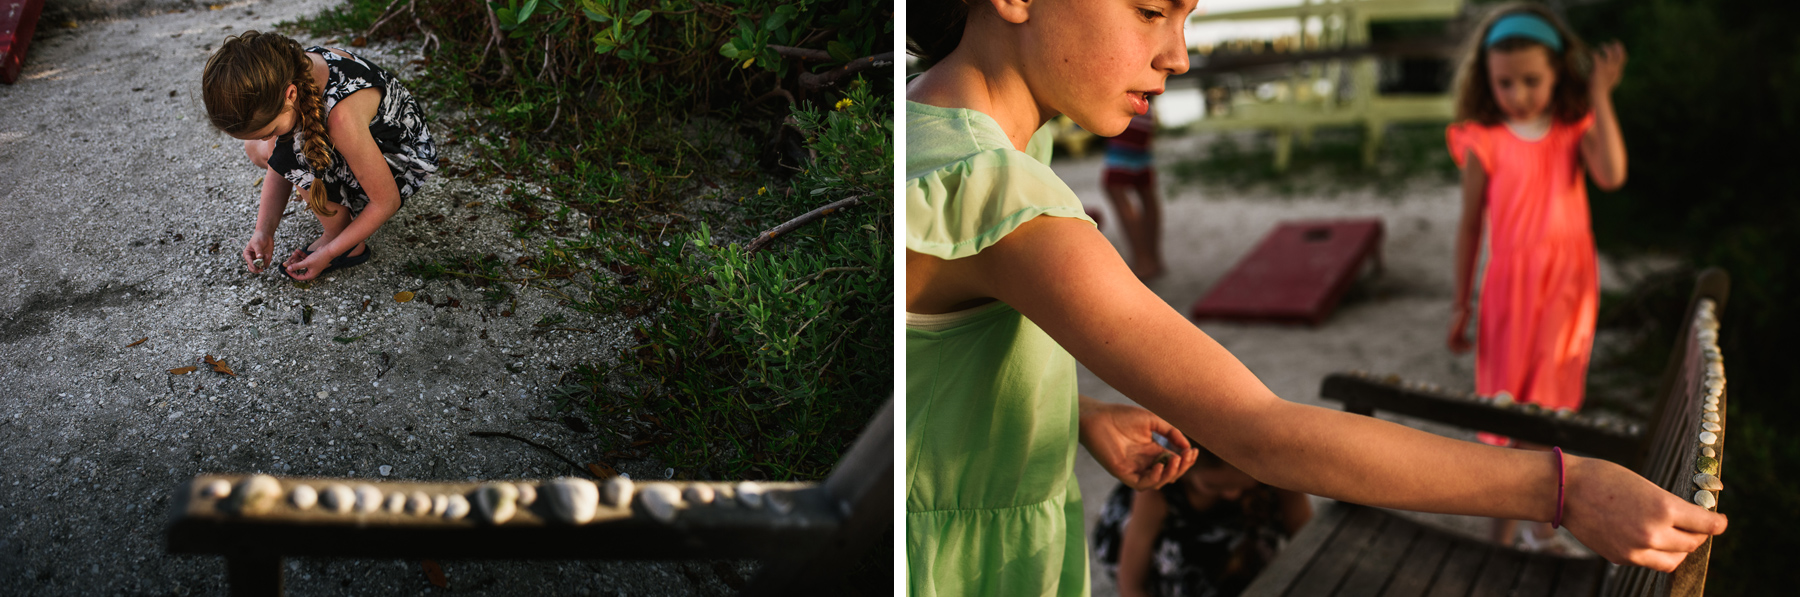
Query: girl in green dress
1008	283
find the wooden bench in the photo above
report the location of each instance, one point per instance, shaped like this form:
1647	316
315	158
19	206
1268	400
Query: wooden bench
808	535
1357	550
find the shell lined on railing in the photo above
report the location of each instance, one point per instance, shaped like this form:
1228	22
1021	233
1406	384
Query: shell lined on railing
1712	422
1504	401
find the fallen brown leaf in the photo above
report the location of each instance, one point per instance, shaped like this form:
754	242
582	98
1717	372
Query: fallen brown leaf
140	341
403	296
183	370
601	470
219	366
435	573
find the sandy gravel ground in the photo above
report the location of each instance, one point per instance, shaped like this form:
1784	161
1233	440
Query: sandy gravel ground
121	218
1391	323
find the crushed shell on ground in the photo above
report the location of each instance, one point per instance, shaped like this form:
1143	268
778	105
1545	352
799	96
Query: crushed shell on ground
303	497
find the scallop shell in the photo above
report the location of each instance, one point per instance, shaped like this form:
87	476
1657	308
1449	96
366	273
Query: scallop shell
456	507
1709	438
218	489
418	504
439	504
527	494
1707	464
781	501
303	497
698	494
1708	482
1708	451
1710	426
1705	499
368	498
497	502
337	498
1710	417
396	503
255	494
660	500
617	492
1711	407
750	494
572	501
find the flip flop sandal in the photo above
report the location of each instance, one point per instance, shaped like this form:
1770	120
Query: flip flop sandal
339	262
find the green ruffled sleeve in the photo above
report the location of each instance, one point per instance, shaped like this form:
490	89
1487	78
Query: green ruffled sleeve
968	205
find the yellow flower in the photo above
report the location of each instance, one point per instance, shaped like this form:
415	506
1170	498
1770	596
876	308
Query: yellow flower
763	191
845	103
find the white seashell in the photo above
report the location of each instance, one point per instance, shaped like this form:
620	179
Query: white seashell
457	507
1710	426
218	489
338	498
1503	399
368	498
1565	413
1708	482
572	500
750	494
439	504
527	494
660	500
1705	499
1710	417
617	492
1710	407
781	501
418	504
698	494
303	497
256	494
497	502
1709	438
396	503
1708	451
384	470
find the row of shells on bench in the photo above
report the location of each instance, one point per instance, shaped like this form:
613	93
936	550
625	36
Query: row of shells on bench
1505	400
569	500
1712	383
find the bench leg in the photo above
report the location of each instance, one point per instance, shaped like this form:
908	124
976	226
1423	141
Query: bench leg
254	576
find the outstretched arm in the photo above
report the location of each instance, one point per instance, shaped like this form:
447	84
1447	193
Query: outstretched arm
275	192
1602	147
1066	277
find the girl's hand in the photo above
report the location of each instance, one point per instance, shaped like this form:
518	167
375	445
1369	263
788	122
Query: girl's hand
1459	331
303	267
260	248
1609	67
1627	519
1120	437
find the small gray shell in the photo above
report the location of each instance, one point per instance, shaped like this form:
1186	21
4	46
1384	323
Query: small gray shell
303	497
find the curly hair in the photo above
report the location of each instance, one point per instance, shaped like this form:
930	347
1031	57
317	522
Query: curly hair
244	87
1569	101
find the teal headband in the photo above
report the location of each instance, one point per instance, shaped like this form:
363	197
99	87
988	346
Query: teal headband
1525	25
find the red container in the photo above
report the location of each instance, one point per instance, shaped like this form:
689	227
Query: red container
1296	274
18	19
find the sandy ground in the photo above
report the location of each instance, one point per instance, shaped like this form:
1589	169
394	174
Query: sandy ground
1391	323
121	218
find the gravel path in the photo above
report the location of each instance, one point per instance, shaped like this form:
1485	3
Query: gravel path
121	218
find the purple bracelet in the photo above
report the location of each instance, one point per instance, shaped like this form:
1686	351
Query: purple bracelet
1557	522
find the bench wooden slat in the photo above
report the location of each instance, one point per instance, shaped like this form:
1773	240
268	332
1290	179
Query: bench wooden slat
1275	579
1335	561
1364	395
1465	561
1579	578
1539	573
1383	557
1420	565
1499	575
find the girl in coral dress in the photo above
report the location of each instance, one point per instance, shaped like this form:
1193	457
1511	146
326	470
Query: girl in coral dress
1531	124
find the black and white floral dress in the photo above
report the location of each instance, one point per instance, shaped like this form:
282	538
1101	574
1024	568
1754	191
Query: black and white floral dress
1214	552
398	128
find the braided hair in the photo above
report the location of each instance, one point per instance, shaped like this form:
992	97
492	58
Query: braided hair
244	86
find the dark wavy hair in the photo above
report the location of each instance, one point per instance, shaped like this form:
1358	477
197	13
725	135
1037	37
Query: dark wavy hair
934	28
1475	97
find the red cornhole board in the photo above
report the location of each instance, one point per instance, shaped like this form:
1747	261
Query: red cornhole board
1296	274
18	18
